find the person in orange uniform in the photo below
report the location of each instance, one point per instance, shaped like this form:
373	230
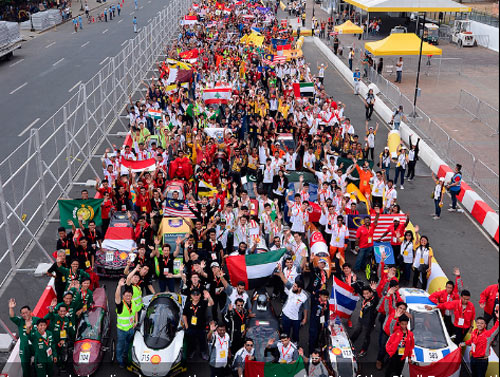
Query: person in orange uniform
462	313
487	302
450	293
399	347
480	342
365	174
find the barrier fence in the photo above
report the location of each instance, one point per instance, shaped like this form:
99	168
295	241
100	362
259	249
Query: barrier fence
479	109
44	167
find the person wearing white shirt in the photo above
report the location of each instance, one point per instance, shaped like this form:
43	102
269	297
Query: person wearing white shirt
324	175
340	235
347	128
290	160
378	185
219	345
390	196
241	233
244	353
276	162
298	217
296	247
268	176
291	271
286	352
309	159
325	192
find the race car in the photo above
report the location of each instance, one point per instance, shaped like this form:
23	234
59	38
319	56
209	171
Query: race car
264	325
157	346
93	338
432	341
339	354
111	259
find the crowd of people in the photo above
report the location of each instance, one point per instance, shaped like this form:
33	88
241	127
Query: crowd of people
248	161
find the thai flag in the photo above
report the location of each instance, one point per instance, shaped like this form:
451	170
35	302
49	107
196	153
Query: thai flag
343	299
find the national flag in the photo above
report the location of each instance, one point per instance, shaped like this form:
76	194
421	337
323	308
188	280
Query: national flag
139	166
448	366
191	55
88	209
195	6
155	114
177	208
179	75
171	89
217	95
284	23
279	59
241	2
343	299
384	221
189	20
268	59
128	140
303	89
253	269
282	48
119	236
172	63
263	369
219	6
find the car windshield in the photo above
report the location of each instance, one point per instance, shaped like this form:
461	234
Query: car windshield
90	326
160	323
428	330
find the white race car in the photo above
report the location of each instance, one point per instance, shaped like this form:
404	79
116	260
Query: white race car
432	341
339	353
157	347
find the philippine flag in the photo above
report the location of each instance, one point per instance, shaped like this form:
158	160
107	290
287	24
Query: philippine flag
343	299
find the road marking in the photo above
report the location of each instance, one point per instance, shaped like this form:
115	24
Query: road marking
105	31
142	6
120	20
57	62
73	32
19	87
149	2
132	13
50	44
124	42
74	86
13	64
85	44
106	58
28	128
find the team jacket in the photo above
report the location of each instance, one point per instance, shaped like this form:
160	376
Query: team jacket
488	297
383	284
395	342
480	342
441	296
457	314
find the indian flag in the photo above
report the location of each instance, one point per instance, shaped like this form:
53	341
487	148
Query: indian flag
217	95
303	89
262	369
253	269
155	114
189	20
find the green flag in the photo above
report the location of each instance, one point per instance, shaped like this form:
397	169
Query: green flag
88	210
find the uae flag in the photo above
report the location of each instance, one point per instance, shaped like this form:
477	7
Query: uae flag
155	114
262	369
448	366
253	269
138	166
218	95
189	20
303	89
119	236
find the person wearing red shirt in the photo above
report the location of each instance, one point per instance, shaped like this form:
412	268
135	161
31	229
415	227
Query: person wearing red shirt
103	186
487	302
106	208
450	293
399	347
462	313
480	342
385	277
143	201
397	231
364	242
352	210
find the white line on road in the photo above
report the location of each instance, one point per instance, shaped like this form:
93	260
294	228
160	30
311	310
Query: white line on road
57	62
105	31
85	44
50	44
74	86
142	6
149	2
13	64
120	21
19	87
106	58
28	128
124	42
132	13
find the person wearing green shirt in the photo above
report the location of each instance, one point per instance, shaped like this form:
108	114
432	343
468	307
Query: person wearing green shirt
25	346
83	297
44	347
62	331
70	302
126	320
73	273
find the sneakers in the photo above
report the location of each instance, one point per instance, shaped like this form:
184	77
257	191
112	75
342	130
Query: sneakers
452	210
349	324
401	187
362	353
436	217
410	179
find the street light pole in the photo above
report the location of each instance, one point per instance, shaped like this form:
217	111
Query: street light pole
419	64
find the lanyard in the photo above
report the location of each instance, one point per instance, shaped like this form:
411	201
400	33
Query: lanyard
283	350
83	294
194	310
242	316
92	235
45	341
219	340
365	303
288	275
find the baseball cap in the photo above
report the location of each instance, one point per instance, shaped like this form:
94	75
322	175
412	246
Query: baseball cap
214	264
196	292
284	336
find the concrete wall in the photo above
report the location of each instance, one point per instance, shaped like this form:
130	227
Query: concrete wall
479	28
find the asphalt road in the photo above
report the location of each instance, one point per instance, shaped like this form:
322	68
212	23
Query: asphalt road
47	70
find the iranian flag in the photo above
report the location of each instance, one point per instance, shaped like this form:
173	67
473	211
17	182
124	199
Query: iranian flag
253	269
218	95
189	20
138	166
448	366
303	89
262	369
155	114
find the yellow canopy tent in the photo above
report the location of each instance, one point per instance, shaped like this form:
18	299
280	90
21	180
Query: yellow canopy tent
373	6
401	44
348	28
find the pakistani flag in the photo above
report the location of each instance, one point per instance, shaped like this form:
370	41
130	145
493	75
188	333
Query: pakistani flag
303	89
87	210
262	369
253	269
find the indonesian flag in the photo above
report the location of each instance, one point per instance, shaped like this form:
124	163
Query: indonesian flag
119	237
191	55
240	2
155	114
303	89
253	269
448	366
138	166
190	20
128	140
195	6
217	95
282	48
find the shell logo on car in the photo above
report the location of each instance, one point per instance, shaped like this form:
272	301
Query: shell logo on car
155	359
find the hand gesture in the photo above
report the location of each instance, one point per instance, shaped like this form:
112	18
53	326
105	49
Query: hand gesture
373	286
382	255
213	326
53	302
301	352
157	240
301	178
428	307
178	241
70	222
206	295
121	283
29	323
417	228
270	342
12	303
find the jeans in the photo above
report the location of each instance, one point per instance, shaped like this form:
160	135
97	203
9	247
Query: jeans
454	198
350	64
396	125
437	207
399	171
369	112
399	76
478	367
395	366
123	341
382	340
363	254
407	271
167	283
290	324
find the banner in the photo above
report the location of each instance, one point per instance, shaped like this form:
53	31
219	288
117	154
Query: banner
88	210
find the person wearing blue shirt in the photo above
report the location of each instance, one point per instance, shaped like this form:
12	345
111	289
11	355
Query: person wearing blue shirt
118	8
80	22
357	79
454	187
134	21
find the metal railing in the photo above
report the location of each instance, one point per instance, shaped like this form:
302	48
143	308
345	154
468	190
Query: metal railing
482	17
479	110
44	167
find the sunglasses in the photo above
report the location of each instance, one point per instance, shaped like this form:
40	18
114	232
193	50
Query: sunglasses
249	345
314	358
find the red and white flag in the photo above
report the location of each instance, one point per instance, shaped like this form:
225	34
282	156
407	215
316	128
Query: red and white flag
284	23
218	95
190	20
279	59
138	166
448	366
119	237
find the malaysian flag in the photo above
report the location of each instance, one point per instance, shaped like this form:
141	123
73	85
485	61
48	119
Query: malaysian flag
279	59
384	222
177	208
267	59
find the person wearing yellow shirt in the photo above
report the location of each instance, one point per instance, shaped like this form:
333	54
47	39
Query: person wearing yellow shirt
283	108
